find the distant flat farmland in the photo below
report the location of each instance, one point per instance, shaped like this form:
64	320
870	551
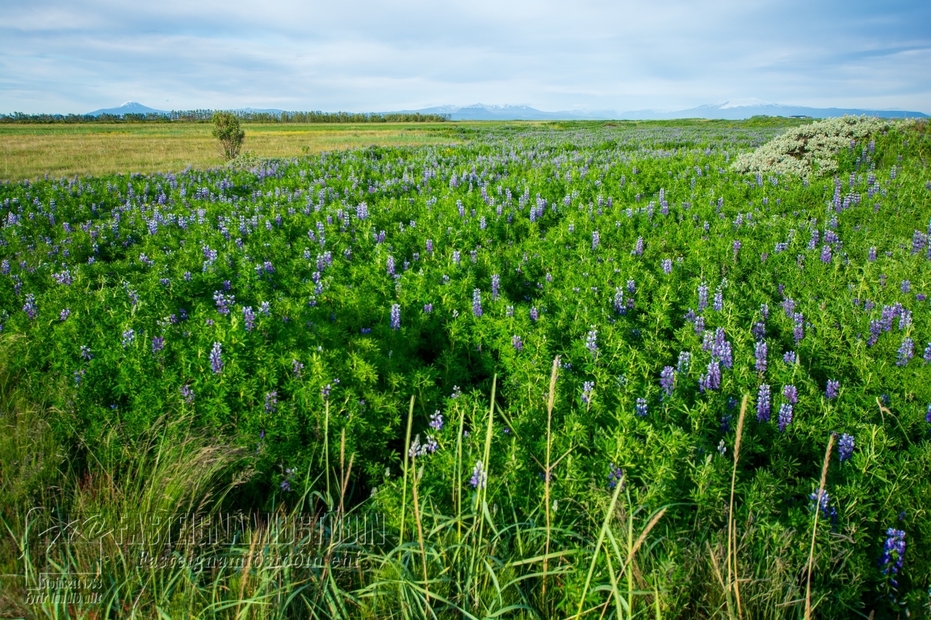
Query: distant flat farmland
64	150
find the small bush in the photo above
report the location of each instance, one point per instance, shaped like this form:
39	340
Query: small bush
226	129
802	150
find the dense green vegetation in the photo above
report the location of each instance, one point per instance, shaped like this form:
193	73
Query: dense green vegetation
573	368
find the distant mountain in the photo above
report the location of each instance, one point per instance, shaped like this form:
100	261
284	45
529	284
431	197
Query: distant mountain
738	109
130	107
484	112
734	109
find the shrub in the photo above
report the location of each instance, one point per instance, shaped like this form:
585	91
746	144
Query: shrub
226	129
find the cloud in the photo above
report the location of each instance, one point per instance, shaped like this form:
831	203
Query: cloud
60	56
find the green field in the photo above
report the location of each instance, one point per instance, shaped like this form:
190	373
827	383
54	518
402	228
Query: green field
485	370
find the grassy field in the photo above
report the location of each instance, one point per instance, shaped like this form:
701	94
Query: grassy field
32	151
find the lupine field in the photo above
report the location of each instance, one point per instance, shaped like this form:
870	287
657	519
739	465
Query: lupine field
531	353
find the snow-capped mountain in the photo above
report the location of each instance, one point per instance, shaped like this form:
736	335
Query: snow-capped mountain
130	107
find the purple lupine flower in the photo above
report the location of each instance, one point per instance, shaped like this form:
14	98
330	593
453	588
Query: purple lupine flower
479	476
619	306
395	316
928	415
667	379
63	278
845	447
763	400
158	343
362	211
187	394
265	308
591	341
824	504
128	336
813	243
927	355
457	257
876	328
702	296
596	239
615	475
789	357
429	246
216	361
905	352
248	318
495	286
893	555
667	266
517	343
788	306
785	416
758	330
638	247
685	360
790	393
761	351
64	314
736	246
764	310
30	306
832	390
825	254
711	380
296	368
271	401
428	308
641	407
477	302
509	311
390	265
587	388
906	286
534	314
436	420
871	254
86	353
718	304
223	302
798	331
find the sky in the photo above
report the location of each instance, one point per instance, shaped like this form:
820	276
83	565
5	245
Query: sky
75	56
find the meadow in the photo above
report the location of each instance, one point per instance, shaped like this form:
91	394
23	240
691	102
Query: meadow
551	370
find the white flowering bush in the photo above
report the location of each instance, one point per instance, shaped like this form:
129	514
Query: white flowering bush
810	148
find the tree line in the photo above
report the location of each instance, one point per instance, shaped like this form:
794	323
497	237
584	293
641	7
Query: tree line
205	116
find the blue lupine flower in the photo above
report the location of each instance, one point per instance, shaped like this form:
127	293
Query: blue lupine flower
456	256
271	401
790	393
495	285
596	239
158	343
187	394
760	351
905	352
667	380
718	304
436	420
845	447
429	246
395	316
30	306
248	318
927	355
428	308
615	475
824	503
591	341
685	360
906	286
517	343
641	407
390	265
832	390
799	330
534	314
296	368
86	353
789	357
758	330
638	248
216	361
667	266
479	476
785	416
128	336
702	296
64	314
893	555
825	254
763	401
736	246
871	254
477	302
711	380
587	388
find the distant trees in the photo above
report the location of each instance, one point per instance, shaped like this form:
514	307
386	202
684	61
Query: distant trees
226	129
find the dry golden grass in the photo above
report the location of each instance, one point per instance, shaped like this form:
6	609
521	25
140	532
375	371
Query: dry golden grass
31	151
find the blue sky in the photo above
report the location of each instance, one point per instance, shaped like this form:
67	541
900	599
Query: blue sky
77	55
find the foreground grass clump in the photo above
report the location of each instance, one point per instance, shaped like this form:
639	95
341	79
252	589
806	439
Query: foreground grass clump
373	333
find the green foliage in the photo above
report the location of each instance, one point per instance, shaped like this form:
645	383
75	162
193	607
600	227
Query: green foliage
226	130
167	256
